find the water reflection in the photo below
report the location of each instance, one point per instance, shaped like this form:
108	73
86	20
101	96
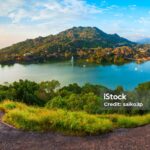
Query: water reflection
128	75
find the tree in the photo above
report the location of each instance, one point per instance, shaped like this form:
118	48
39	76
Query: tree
25	91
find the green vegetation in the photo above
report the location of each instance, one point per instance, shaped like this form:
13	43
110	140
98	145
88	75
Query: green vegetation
88	102
127	121
29	92
42	119
71	109
77	123
84	43
88	98
133	121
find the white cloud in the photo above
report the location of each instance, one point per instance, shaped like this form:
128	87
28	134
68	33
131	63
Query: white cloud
144	21
46	11
16	17
41	18
7	6
32	18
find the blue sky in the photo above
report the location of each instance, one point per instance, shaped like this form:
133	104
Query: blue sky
22	19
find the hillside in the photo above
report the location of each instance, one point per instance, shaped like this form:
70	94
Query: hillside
61	45
76	37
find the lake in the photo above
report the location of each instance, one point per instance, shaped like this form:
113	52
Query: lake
111	76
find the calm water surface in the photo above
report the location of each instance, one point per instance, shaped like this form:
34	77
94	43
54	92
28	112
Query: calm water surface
128	75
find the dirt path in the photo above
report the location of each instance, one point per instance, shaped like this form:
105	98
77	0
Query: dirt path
122	139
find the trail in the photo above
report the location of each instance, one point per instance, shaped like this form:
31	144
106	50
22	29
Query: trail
121	139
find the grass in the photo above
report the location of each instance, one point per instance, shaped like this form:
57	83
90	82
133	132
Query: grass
133	121
42	119
77	123
125	121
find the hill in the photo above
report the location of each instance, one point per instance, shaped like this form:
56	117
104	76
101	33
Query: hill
76	37
68	41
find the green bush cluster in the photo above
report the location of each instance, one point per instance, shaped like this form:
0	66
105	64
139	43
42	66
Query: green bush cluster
29	92
88	102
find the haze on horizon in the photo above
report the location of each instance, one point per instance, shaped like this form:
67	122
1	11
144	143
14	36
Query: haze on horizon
23	19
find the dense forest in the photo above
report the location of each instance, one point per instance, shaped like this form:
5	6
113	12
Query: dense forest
88	44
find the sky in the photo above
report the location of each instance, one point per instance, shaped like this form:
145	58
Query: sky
25	19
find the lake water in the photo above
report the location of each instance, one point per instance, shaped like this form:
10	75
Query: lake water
128	75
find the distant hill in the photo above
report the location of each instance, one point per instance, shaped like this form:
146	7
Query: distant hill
71	39
88	43
144	41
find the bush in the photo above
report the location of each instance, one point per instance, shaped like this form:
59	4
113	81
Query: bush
88	102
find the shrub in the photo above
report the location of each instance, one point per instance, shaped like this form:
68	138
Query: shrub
88	102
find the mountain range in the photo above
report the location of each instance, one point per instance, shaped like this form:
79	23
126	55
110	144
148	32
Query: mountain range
144	41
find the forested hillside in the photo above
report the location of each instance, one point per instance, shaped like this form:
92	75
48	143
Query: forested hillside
63	45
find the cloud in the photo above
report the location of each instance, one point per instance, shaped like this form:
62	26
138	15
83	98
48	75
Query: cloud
32	18
132	7
16	17
144	21
54	10
29	19
7	6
